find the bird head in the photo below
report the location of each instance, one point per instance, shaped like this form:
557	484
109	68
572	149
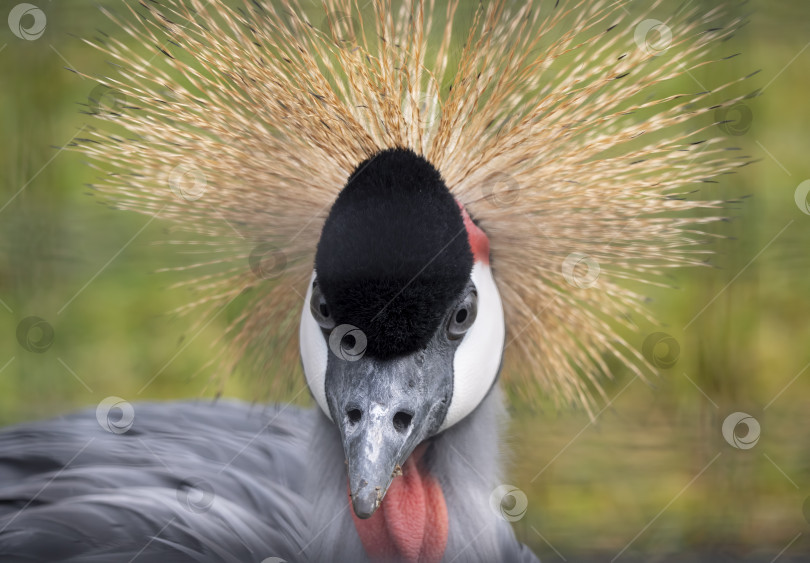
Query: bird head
402	330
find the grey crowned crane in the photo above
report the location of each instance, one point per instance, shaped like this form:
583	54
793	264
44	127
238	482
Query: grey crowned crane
421	208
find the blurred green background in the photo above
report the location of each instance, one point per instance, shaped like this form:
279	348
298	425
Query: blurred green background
651	479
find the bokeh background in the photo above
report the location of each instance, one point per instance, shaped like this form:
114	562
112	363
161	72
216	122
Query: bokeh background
651	478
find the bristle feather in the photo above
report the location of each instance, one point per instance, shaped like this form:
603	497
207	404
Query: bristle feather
276	112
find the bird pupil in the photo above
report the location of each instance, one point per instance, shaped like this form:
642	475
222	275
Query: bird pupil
461	315
349	342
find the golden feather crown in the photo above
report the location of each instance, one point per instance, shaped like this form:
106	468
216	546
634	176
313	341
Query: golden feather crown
557	127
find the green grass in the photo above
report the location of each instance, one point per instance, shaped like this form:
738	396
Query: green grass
653	469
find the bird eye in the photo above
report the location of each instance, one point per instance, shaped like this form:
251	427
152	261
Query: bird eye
463	317
319	308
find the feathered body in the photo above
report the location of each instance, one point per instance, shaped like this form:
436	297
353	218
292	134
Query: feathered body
223	482
174	487
547	127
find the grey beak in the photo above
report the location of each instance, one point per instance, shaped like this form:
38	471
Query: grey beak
375	446
384	410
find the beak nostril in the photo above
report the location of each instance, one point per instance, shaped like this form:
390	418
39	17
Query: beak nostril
402	420
354	415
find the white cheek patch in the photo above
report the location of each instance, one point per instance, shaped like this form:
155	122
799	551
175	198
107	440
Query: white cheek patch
478	357
314	352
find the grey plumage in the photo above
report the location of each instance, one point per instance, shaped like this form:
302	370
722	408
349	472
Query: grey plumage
188	482
222	481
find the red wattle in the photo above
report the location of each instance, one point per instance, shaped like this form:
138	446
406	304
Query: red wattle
411	524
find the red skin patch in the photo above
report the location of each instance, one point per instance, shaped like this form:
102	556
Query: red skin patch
479	242
411	524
